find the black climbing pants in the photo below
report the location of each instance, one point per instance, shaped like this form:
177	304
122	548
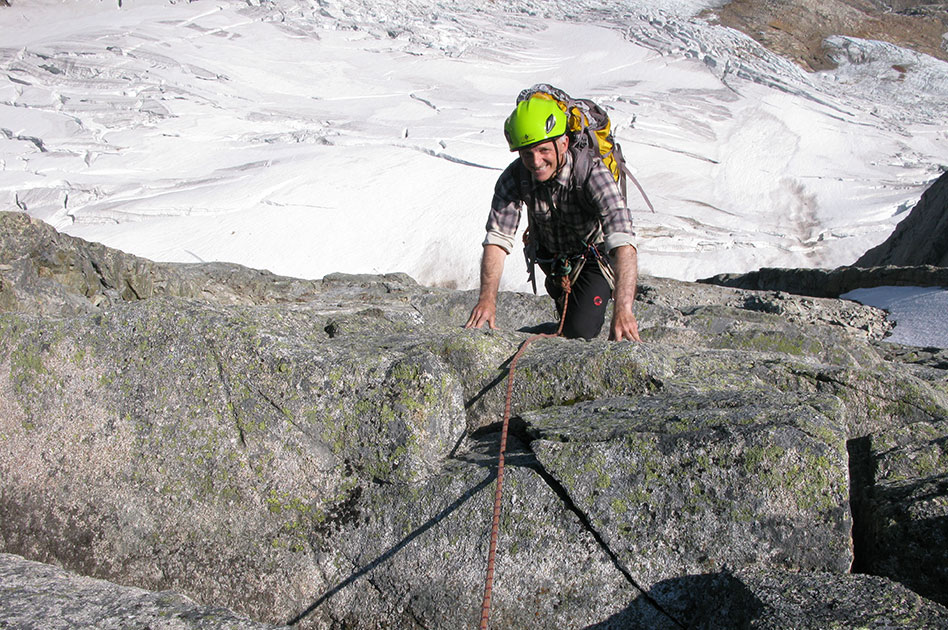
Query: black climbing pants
586	310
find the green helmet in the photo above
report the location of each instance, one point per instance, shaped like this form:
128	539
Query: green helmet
534	120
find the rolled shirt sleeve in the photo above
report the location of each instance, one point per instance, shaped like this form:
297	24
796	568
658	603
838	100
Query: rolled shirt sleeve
504	241
504	217
618	240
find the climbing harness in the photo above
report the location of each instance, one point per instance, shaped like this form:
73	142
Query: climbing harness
498	491
565	266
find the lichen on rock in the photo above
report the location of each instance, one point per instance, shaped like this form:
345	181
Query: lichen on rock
324	452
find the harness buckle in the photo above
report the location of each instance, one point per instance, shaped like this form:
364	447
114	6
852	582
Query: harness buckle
562	266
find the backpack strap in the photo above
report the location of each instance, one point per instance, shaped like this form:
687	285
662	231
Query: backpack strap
629	174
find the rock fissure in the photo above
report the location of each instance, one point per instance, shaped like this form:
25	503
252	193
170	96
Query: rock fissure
281	412
529	459
386	556
131	287
228	402
861	480
97	267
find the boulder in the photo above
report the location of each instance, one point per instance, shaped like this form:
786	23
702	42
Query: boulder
902	506
323	453
690	483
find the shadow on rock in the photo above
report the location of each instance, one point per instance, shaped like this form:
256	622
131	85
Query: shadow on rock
393	551
696	602
907	536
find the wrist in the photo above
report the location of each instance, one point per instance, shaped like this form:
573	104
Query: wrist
623	304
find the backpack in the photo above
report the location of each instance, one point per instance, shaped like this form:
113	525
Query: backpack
590	135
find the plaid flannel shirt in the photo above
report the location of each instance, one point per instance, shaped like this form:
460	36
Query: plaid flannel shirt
565	216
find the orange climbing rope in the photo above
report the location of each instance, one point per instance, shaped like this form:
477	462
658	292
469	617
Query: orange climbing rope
498	492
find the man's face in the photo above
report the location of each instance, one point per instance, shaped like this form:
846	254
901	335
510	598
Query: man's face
544	159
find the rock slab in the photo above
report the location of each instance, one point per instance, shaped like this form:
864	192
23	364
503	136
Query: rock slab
324	452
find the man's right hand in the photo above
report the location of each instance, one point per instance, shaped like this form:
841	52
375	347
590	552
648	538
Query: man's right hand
484	311
492	266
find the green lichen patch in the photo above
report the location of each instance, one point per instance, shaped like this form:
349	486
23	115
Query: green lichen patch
555	372
745	478
392	415
874	399
913	452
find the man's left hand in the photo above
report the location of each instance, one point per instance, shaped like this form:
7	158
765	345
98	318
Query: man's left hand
624	326
626	266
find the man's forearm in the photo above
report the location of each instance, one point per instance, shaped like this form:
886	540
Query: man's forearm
625	263
492	267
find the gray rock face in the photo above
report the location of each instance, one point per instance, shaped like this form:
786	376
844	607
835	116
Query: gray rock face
656	475
324	452
36	596
44	272
921	238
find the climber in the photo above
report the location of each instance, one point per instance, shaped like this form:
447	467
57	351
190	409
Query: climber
579	227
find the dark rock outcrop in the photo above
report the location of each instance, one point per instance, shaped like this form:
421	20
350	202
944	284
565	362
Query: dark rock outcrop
904	493
831	283
323	452
921	238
